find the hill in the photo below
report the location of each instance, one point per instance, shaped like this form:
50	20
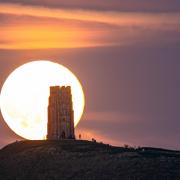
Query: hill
70	159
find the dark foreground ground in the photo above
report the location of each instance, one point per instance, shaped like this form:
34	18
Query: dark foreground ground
69	159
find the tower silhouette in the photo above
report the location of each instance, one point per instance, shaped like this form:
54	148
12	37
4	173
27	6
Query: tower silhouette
60	114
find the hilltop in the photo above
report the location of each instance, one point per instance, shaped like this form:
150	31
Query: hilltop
75	159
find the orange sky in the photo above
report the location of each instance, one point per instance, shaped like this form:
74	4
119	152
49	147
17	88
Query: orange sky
38	27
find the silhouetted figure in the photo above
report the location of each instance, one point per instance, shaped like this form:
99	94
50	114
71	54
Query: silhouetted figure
93	140
80	136
63	135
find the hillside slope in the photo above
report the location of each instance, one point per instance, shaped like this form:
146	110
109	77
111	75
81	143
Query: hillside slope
70	159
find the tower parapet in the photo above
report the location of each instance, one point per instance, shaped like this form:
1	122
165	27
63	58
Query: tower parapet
60	114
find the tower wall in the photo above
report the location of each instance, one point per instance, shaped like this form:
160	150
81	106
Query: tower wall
60	114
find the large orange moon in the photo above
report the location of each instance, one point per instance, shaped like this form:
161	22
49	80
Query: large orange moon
24	97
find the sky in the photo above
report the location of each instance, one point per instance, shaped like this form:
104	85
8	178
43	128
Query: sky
126	54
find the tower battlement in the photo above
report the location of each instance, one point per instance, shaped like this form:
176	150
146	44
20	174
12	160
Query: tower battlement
60	113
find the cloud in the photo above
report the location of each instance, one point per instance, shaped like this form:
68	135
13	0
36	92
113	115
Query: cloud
106	5
118	128
38	27
109	17
35	26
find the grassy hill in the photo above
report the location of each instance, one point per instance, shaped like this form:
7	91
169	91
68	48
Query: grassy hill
70	159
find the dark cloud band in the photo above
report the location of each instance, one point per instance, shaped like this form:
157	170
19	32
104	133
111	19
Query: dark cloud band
113	5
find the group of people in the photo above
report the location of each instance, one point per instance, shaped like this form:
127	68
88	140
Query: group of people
93	140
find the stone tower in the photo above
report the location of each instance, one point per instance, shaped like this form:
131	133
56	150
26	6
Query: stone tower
60	114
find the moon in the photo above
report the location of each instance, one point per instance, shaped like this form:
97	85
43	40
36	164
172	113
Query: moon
24	97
